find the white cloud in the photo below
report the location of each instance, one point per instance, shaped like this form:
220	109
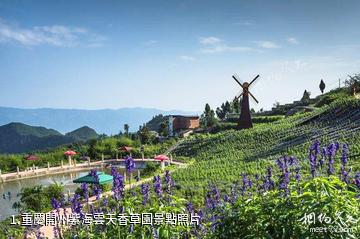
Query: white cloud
292	40
56	35
210	40
187	58
267	44
216	45
225	48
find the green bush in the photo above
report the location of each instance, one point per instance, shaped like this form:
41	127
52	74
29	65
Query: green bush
273	216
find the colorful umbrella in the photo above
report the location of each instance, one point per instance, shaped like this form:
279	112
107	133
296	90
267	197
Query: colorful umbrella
70	152
161	157
103	179
31	157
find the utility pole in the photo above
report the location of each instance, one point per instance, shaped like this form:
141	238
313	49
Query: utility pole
339	83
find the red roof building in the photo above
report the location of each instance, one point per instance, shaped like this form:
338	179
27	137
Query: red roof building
180	124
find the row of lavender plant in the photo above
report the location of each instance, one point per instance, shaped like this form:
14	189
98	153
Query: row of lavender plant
321	161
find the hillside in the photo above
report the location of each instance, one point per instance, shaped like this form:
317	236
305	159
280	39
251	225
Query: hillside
83	134
223	156
20	138
106	121
154	123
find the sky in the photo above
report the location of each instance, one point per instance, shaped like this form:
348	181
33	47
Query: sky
172	54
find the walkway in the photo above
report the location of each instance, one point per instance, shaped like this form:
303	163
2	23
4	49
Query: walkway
64	169
48	231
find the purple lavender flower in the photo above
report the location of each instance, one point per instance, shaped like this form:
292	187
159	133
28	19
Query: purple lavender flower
131	228
357	179
94	175
39	235
344	155
76	206
312	159
246	184
55	205
85	189
130	164
145	191
293	161
284	178
316	147
284	182
190	207
105	202
157	186
212	198
323	157
118	184
215	192
168	181
344	173
297	174
268	183
337	146
97	191
234	194
314	150
331	151
281	164
357	182
155	232
56	232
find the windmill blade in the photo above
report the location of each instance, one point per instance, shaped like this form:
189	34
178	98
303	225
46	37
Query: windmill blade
254	79
238	95
253	97
237	81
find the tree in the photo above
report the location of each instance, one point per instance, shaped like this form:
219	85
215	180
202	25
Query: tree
145	135
38	198
306	97
276	104
164	128
221	111
227	108
236	105
322	86
126	129
355	79
353	83
208	119
92	149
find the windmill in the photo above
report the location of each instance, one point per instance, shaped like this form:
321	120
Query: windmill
245	116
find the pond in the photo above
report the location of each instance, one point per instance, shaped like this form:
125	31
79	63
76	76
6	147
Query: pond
9	191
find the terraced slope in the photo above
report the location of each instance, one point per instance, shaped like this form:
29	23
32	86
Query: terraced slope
222	157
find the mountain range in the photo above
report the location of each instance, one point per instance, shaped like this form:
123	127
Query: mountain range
21	138
108	121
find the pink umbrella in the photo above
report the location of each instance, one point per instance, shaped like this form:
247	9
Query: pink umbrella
31	157
70	152
161	157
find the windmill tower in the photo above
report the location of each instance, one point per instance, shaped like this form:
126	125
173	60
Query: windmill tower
245	121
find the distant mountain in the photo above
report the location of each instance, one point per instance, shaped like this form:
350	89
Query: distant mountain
64	120
20	138
83	134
